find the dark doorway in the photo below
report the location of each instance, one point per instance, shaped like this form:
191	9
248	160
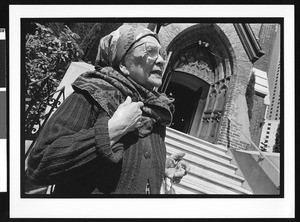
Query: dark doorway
190	93
186	101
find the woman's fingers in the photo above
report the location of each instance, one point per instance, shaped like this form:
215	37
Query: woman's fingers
129	114
139	104
127	101
184	165
177	156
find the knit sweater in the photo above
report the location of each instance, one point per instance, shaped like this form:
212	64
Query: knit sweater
69	153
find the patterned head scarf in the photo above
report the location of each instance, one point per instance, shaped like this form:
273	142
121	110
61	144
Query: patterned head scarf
114	46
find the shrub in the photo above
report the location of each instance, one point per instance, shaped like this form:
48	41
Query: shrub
47	58
90	34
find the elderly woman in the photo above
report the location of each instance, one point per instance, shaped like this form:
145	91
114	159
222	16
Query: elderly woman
108	136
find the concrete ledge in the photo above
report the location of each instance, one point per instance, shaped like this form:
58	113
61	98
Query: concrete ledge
260	174
261	84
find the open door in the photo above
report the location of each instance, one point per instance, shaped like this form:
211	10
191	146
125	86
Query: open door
190	93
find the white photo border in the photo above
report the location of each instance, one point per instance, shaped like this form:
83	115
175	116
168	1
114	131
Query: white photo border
3	149
153	207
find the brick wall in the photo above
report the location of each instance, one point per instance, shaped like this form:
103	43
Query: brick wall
266	41
257	119
266	37
229	134
256	29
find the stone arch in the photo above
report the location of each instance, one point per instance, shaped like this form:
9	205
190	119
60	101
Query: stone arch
220	47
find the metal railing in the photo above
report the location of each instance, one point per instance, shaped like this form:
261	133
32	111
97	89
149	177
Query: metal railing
37	124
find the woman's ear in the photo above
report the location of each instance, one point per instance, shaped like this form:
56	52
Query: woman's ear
124	70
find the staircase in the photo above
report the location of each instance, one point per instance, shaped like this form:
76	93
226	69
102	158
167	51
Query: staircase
211	169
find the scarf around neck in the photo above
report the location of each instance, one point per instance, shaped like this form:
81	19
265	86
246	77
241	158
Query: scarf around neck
109	89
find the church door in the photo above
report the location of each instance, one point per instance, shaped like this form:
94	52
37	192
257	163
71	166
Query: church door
200	96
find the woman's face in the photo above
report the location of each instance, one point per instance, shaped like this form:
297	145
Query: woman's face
142	64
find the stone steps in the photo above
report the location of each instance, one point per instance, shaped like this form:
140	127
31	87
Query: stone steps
211	169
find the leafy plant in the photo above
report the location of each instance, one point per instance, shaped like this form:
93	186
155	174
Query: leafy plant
47	58
90	34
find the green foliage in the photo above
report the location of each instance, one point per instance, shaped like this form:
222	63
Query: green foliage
90	34
276	147
250	92
47	58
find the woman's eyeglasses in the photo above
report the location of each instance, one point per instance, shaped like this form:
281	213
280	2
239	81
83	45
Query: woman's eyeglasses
151	50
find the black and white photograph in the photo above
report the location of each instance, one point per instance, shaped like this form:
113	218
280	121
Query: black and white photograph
152	108
148	110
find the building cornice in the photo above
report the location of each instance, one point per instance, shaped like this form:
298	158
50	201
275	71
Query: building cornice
249	41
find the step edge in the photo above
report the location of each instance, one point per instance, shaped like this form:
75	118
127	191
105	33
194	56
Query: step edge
225	184
222	173
195	146
208	190
215	167
210	158
195	150
197	140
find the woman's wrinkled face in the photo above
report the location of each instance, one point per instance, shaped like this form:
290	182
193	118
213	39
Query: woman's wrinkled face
142	65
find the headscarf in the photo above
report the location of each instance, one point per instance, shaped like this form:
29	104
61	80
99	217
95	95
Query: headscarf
114	46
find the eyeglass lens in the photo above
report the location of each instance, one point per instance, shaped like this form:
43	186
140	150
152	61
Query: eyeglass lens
153	51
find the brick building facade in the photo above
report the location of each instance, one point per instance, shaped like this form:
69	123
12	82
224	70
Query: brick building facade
218	56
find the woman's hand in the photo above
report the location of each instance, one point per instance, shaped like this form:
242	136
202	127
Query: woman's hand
176	168
125	119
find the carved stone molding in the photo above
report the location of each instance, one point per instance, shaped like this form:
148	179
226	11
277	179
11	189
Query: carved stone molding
199	69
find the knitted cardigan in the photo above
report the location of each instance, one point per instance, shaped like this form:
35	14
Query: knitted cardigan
67	154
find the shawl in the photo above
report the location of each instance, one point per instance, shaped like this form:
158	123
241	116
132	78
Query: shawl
110	88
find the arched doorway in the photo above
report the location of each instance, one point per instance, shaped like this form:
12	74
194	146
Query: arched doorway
199	81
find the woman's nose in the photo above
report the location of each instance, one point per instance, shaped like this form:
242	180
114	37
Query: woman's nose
160	61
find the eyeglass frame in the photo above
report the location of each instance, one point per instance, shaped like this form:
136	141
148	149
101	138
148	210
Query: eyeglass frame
144	43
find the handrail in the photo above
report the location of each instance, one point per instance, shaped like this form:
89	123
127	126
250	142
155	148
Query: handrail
54	105
261	153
